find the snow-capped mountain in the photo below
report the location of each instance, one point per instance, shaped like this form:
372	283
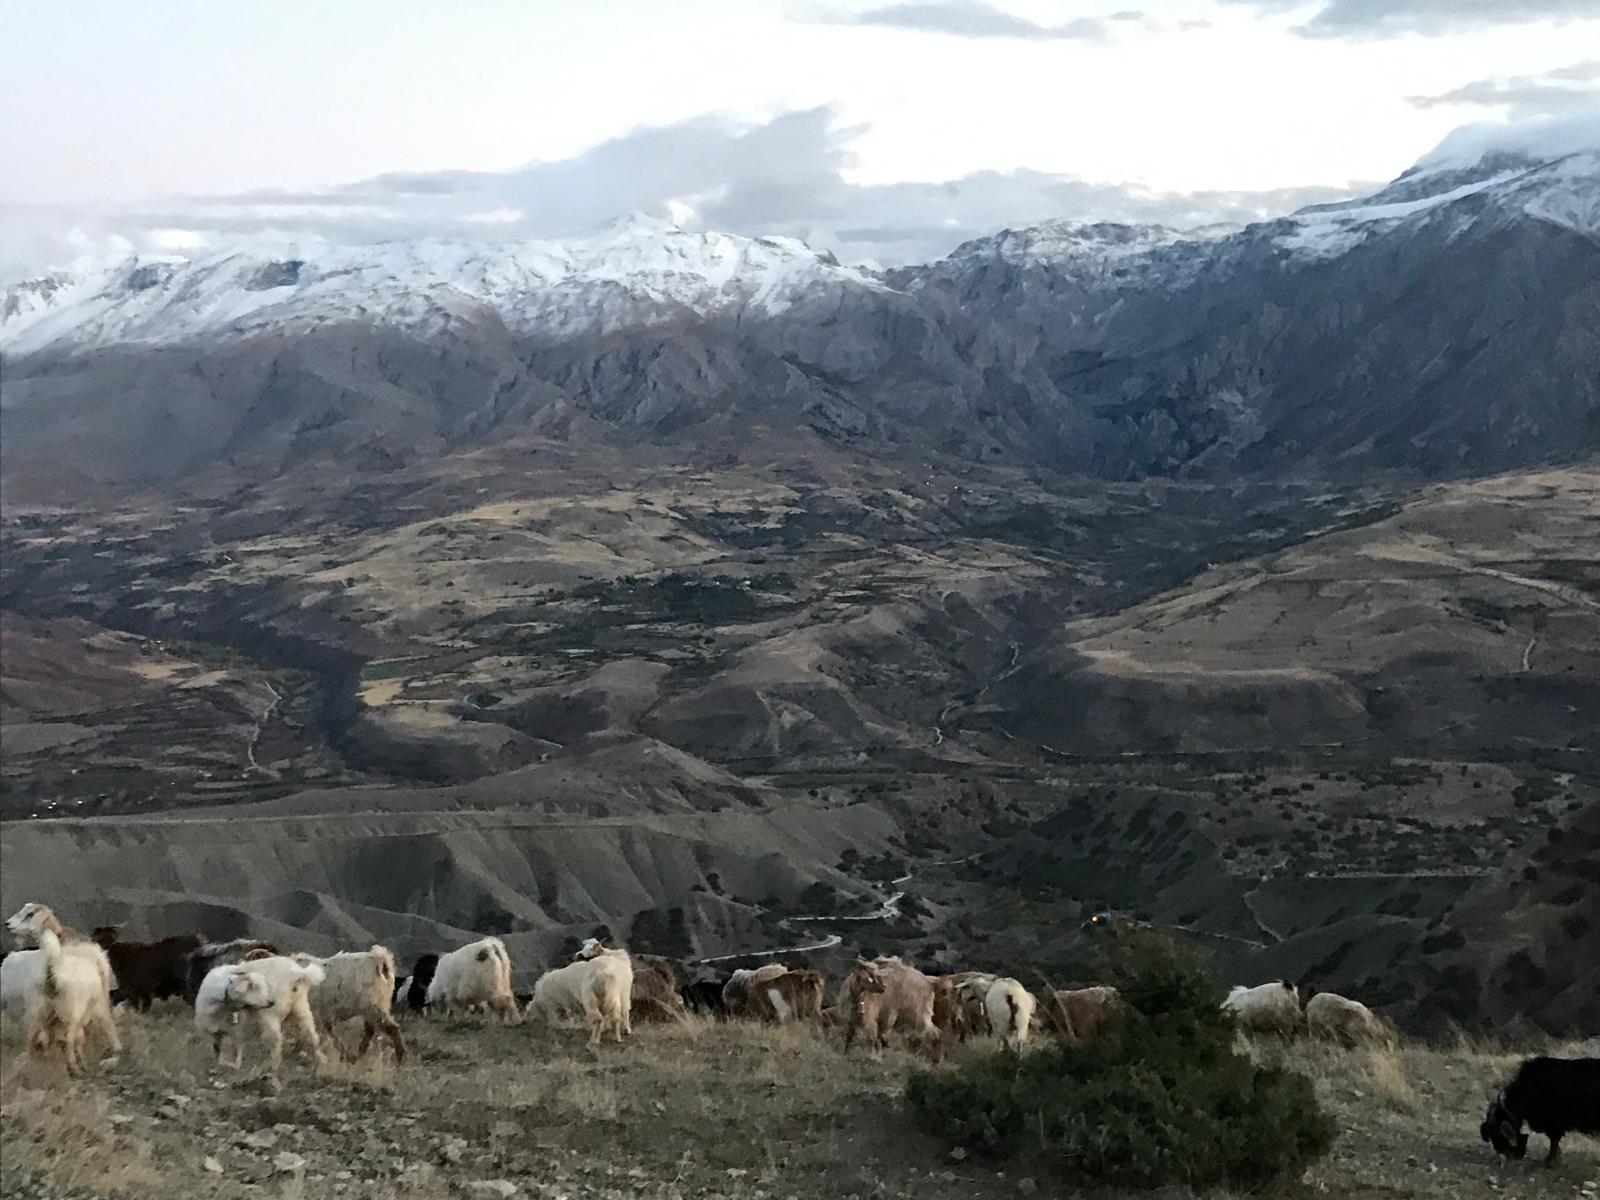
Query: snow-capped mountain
1444	324
633	272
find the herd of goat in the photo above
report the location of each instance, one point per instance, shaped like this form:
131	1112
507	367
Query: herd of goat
65	986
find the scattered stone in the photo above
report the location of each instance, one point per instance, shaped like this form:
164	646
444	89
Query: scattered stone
1028	1186
212	1166
288	1161
261	1139
492	1187
169	1112
121	1119
958	1155
179	1099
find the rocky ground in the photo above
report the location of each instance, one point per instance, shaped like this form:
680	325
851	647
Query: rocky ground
701	1110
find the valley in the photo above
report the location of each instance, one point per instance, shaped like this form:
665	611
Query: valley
691	702
701	589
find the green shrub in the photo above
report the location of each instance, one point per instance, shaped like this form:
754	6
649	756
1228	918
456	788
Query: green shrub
1164	1099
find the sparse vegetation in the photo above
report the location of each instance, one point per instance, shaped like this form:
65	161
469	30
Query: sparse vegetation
1166	1098
691	1112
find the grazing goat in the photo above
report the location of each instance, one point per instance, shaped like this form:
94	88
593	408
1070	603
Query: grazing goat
971	991
1552	1096
793	995
413	988
880	997
477	973
1343	1020
148	971
705	996
655	985
358	984
265	992
737	992
1080	1015
220	954
64	997
952	1013
600	988
655	992
1267	1008
1009	1007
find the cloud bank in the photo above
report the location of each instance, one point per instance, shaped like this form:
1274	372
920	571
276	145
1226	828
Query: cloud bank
1522	96
1428	18
969	18
786	176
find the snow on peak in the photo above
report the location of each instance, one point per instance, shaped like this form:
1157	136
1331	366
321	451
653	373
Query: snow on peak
1068	244
1529	142
638	270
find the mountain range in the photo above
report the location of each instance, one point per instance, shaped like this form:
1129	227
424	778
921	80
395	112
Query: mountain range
1448	324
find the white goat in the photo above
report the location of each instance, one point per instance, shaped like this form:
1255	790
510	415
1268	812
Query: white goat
1266	1008
479	973
32	920
63	997
265	992
1348	1021
1009	1007
358	984
601	988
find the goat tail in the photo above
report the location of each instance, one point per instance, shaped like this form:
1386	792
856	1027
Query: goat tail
50	947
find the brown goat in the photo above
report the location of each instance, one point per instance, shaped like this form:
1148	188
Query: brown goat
955	1014
148	971
655	992
1080	1014
796	995
880	997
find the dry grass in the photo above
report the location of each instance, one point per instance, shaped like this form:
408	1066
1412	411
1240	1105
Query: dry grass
697	1109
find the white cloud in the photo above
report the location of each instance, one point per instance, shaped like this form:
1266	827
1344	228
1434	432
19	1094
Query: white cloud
1555	91
1428	18
972	19
784	176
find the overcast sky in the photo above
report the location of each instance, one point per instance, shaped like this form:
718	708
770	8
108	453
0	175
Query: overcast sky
884	130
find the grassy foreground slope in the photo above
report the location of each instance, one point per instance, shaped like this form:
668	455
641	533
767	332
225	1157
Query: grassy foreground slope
698	1110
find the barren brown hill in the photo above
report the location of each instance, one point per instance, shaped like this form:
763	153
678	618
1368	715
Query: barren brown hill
1466	623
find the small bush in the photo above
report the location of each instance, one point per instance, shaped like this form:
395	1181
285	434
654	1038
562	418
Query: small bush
1165	1099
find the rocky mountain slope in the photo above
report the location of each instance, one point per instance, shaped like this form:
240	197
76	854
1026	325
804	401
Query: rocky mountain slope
1443	326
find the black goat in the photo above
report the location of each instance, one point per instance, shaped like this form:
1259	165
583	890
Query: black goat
704	996
413	988
1553	1096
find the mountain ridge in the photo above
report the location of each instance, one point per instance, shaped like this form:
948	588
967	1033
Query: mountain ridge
1441	327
